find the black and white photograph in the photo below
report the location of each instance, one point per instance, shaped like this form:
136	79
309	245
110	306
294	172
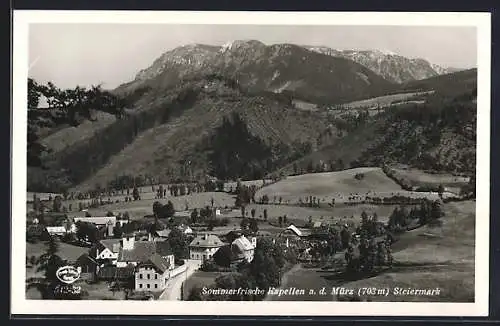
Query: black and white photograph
263	163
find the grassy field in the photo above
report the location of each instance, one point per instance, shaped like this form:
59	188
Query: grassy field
420	178
381	101
425	258
137	209
339	186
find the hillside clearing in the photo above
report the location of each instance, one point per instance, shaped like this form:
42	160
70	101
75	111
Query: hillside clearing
383	101
69	136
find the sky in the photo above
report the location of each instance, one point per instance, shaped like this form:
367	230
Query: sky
111	54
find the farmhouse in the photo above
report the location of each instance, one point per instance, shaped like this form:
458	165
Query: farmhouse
292	231
185	229
107	250
56	230
204	246
153	274
162	233
245	247
101	221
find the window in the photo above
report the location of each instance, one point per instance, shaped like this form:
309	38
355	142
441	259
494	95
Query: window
149	276
140	276
149	285
140	286
156	276
156	286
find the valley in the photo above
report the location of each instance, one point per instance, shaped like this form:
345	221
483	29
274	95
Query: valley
326	168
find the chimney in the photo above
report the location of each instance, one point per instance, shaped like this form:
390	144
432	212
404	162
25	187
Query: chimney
110	229
128	242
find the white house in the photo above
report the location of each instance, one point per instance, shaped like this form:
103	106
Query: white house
185	229
56	230
153	274
246	247
204	246
101	220
108	249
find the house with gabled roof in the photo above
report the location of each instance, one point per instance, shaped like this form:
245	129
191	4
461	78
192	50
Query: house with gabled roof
153	274
107	250
204	246
245	247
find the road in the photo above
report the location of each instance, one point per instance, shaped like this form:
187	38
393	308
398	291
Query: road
173	290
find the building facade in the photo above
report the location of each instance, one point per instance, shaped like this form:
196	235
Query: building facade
204	246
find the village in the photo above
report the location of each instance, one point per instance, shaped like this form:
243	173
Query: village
170	254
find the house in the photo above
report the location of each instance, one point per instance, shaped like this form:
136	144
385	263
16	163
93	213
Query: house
185	229
292	230
56	230
101	221
134	252
162	233
317	224
245	246
36	232
153	274
107	250
204	246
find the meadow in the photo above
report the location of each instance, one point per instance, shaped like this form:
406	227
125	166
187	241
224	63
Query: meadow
340	186
419	178
425	258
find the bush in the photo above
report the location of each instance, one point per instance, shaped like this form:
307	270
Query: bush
359	176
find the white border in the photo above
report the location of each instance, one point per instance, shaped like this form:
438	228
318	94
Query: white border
20	72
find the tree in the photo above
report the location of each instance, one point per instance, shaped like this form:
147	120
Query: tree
280	221
284	219
117	231
135	193
157	208
265	214
56	204
33	94
178	243
254	225
244	223
440	190
194	216
48	263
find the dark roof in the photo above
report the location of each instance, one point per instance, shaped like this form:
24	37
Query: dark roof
112	244
36	229
158	262
141	252
163	248
115	272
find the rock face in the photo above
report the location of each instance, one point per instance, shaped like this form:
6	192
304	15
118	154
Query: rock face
393	67
249	57
275	68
